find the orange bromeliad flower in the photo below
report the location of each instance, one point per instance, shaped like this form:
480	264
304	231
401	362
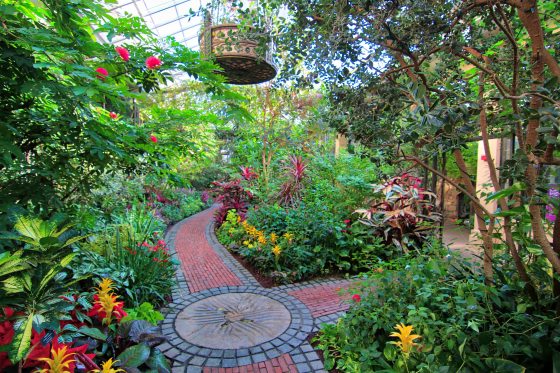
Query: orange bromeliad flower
406	341
107	367
60	361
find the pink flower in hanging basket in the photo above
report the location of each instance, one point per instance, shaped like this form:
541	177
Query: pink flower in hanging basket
153	139
102	73
113	115
123	52
153	62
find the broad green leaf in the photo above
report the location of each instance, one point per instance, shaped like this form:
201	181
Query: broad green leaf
517	187
22	339
93	333
134	356
158	362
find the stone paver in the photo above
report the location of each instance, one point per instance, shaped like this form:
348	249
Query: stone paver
222	320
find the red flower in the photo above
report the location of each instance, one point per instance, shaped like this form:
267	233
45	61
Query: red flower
356	298
39	350
484	158
153	139
102	73
123	52
6	336
113	115
161	242
153	62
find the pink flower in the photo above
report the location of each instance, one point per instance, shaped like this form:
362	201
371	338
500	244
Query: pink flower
347	221
113	115
484	158
153	139
550	217
102	73
123	52
153	62
161	242
356	298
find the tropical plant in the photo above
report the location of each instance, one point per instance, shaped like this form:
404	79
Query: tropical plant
463	323
233	196
35	278
292	189
405	215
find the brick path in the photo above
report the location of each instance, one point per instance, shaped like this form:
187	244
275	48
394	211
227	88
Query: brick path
201	266
209	271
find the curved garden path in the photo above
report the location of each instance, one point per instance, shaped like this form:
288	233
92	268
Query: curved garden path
222	320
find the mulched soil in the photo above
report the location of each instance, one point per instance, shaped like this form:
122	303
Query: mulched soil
266	282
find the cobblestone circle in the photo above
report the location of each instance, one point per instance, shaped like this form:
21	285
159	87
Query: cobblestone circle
222	320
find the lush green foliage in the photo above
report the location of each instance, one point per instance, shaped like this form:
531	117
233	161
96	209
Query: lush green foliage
463	324
318	220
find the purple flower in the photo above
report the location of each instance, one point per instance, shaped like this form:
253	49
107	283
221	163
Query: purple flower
550	217
553	193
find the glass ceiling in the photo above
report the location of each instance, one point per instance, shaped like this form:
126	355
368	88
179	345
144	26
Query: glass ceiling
165	18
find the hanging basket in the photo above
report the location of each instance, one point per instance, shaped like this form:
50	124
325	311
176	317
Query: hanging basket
240	57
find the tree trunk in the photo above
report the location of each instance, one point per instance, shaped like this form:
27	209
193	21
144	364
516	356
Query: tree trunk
485	230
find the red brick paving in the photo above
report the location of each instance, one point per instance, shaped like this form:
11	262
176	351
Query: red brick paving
323	299
202	267
281	364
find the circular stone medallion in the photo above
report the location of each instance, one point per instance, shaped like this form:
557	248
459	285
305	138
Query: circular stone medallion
232	321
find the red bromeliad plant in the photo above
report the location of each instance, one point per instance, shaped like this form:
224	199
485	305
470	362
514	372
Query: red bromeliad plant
233	196
290	192
404	214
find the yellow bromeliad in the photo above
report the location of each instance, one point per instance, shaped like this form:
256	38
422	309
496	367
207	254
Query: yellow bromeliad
289	236
406	339
60	361
273	237
107	302
105	286
276	250
107	367
261	238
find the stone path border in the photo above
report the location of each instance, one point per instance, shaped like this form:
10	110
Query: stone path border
288	352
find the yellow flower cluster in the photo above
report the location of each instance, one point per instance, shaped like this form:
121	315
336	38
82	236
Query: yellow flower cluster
257	238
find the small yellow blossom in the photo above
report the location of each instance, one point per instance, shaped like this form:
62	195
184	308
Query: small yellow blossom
60	361
262	239
406	341
276	250
289	236
107	367
273	237
246	242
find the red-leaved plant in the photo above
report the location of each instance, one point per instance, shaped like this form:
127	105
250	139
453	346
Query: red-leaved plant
403	213
247	173
290	191
232	196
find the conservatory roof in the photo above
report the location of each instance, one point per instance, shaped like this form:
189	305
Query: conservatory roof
165	18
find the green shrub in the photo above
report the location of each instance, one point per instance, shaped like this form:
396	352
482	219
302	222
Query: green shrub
464	324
